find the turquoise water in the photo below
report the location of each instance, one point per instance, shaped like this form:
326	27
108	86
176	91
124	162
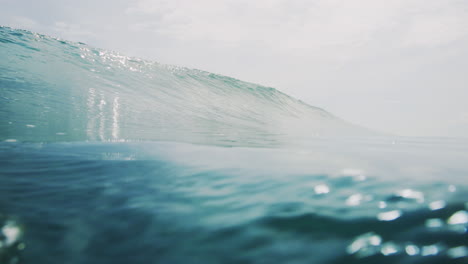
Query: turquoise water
110	159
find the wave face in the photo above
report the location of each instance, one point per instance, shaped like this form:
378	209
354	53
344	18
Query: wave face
54	90
109	159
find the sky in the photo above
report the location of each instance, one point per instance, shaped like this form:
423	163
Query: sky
397	66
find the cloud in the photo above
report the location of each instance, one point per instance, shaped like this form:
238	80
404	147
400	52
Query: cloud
323	28
433	30
72	31
23	22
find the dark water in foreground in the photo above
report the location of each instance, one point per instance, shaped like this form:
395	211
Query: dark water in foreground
182	203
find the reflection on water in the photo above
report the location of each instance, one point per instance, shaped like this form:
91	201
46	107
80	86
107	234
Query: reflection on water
103	117
115	118
91	120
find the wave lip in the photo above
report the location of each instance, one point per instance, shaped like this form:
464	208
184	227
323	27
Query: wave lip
55	90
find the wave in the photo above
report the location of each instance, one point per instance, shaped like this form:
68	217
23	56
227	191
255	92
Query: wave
56	90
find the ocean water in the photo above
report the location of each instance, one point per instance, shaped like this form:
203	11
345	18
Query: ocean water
111	159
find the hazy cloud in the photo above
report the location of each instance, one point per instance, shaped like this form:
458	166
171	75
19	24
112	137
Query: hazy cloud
23	22
71	31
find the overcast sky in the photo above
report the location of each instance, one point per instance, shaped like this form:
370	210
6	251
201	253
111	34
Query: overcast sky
399	66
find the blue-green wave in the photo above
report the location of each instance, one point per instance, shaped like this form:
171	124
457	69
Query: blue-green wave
55	90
